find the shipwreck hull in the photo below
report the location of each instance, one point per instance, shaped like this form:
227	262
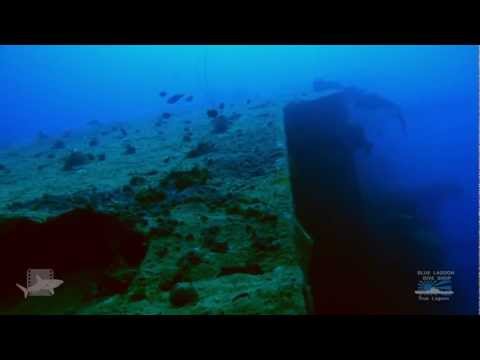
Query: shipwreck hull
347	269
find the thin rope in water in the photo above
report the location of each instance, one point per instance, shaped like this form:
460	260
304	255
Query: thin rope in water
205	78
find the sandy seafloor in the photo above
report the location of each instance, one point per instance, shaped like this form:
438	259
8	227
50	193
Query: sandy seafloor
247	167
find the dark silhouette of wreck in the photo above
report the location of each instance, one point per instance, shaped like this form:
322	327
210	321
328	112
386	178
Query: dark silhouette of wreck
350	267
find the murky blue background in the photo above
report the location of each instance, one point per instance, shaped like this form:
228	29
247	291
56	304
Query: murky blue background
53	88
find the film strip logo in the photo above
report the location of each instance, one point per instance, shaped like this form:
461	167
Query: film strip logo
44	274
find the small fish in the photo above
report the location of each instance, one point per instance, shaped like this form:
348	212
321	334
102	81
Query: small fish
212	113
249	101
151	173
93	123
129	149
162	93
189	99
221	106
235	116
42	136
123	132
59	144
166	115
93	142
173	99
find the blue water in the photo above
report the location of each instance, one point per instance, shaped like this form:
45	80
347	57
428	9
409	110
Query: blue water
54	88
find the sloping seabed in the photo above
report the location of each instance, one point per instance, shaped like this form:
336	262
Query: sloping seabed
211	197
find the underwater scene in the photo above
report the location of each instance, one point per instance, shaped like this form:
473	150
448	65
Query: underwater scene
239	180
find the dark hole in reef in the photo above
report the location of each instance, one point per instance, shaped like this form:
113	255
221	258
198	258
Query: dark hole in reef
75	242
349	267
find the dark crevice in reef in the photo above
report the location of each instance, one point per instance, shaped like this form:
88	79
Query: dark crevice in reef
75	242
351	267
